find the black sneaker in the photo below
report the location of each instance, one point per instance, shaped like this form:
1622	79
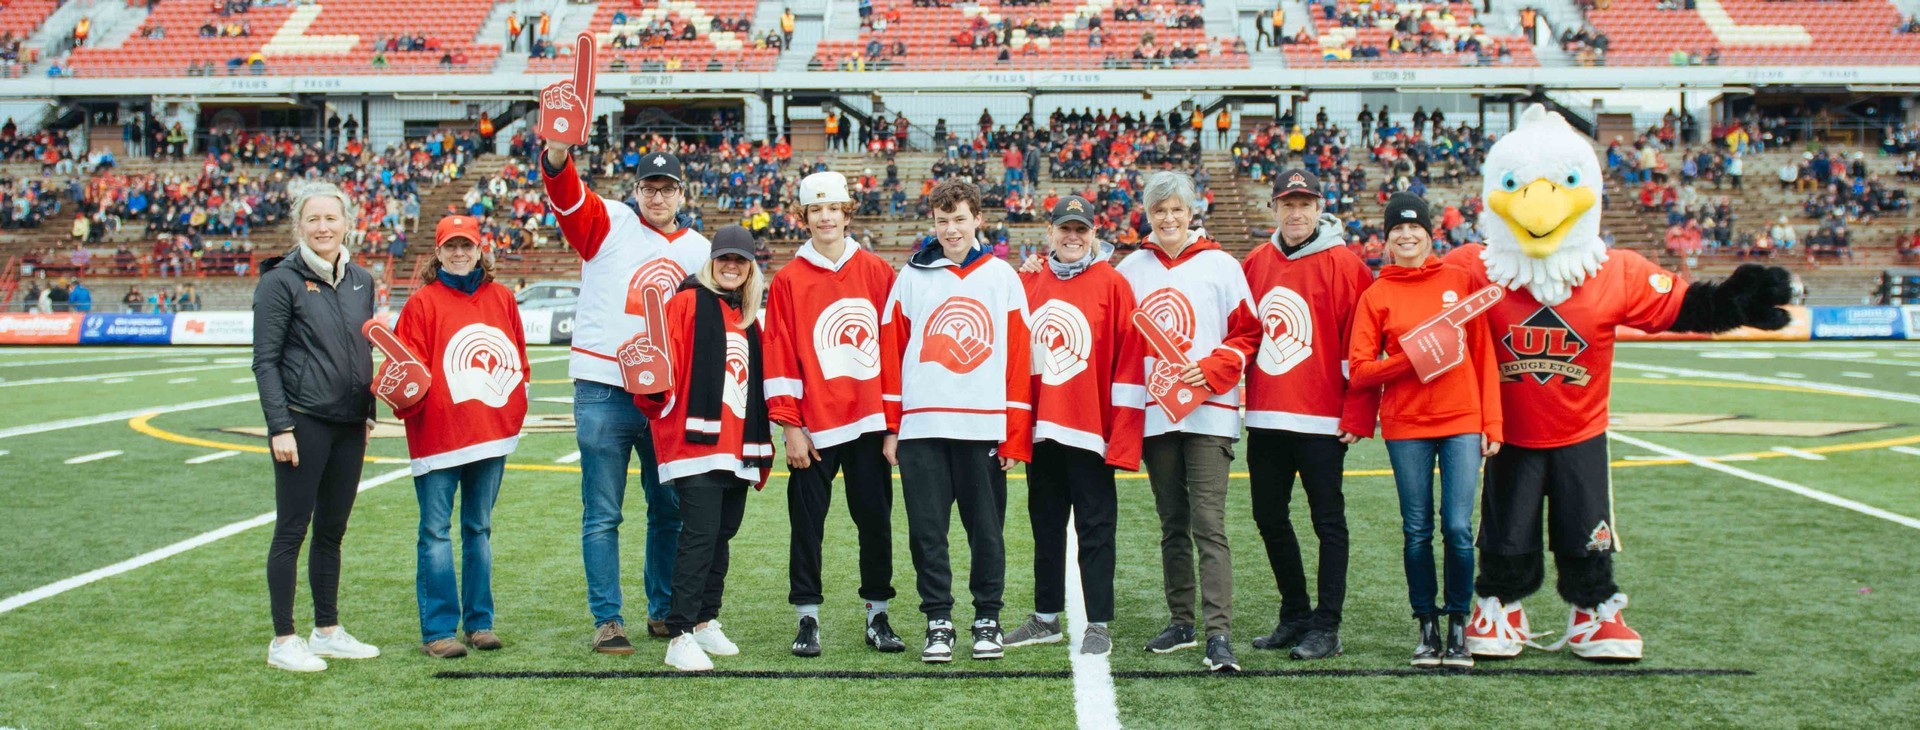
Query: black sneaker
1456	654
939	642
1427	653
1220	655
807	642
1318	644
881	637
1285	636
986	639
1173	638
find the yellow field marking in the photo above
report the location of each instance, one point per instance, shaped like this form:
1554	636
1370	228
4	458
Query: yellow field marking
143	425
1742	386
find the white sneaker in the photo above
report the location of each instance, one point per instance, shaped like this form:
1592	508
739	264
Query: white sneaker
341	645
684	653
293	656
713	642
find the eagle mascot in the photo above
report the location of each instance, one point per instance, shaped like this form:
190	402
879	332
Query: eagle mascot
1553	334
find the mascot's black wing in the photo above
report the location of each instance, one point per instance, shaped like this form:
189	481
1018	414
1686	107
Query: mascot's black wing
1750	297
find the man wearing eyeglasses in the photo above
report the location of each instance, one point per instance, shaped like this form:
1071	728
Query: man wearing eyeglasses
623	255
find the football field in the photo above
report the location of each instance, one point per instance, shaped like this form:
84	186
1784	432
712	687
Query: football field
1767	496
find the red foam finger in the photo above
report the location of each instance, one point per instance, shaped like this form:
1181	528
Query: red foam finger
585	66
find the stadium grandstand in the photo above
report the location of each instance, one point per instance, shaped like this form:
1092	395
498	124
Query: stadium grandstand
148	144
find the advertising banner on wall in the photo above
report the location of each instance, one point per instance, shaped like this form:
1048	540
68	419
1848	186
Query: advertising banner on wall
213	328
40	329
127	329
1858	323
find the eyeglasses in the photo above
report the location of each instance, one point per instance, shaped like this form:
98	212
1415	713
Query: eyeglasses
646	192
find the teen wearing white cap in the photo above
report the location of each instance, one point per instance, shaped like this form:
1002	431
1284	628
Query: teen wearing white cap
823	388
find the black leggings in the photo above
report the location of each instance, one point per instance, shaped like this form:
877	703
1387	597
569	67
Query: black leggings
321	491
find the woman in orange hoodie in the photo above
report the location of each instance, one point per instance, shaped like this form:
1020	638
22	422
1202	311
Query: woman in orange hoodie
1454	419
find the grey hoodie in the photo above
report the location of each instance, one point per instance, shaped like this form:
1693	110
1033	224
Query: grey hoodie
1331	234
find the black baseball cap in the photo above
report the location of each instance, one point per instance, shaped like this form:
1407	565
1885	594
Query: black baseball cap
1073	208
1296	181
1406	208
660	164
733	239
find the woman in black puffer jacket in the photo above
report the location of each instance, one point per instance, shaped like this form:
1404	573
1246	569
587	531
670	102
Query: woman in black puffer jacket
313	368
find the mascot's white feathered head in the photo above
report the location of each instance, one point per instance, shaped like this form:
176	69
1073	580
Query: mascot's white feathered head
1542	218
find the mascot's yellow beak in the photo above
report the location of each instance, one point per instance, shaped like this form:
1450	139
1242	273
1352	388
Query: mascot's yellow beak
1541	213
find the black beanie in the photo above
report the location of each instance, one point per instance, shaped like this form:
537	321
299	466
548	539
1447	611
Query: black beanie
1406	208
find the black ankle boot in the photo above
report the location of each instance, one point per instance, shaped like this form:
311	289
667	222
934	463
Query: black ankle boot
1427	654
1457	654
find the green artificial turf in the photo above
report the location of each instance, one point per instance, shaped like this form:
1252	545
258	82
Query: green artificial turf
1818	603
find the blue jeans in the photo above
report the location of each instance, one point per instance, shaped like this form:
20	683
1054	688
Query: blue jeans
443	606
1413	460
608	426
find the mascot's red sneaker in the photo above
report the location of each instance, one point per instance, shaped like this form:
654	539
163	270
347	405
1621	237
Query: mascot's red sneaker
1601	633
1498	631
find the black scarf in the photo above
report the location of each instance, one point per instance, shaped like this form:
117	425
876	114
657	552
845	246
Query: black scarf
708	378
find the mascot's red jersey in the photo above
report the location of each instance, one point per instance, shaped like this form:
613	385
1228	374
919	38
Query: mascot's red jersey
1556	363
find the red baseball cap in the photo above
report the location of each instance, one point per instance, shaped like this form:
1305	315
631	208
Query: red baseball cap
456	226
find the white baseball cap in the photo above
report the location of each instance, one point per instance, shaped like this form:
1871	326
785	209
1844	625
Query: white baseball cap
824	187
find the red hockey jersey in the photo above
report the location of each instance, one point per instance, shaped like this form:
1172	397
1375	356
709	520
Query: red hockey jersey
1306	302
477	353
679	457
1556	363
1087	361
822	334
1200	298
955	360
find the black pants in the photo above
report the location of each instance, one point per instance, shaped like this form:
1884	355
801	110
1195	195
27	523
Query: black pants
1274	457
320	491
935	475
711	505
869	501
1063	480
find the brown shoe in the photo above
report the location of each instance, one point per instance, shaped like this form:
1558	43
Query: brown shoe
611	638
658	629
484	640
444	649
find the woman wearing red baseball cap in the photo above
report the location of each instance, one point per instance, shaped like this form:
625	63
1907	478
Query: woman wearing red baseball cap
465	328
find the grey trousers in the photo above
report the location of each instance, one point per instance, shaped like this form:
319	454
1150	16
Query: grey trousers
1189	475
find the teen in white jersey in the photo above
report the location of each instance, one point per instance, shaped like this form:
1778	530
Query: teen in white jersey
956	372
623	254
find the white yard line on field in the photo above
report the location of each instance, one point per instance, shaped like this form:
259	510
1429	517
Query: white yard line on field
1804	491
1887	395
1094	702
94	457
116	416
116	381
58	587
215	456
1798	454
1908	450
84	360
107	376
177	381
1857	374
568	459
